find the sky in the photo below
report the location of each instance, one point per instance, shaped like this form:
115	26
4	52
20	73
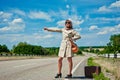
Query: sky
24	20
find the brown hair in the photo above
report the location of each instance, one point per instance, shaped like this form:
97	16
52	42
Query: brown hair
70	23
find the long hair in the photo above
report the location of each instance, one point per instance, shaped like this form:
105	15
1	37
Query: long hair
70	23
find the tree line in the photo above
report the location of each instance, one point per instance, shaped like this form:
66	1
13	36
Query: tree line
114	45
24	48
27	49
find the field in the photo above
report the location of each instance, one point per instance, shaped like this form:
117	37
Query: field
110	67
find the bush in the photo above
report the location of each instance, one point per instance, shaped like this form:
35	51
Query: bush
90	62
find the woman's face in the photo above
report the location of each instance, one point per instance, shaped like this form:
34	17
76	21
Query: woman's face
68	24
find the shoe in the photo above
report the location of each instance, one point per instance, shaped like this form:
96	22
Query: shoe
69	76
58	75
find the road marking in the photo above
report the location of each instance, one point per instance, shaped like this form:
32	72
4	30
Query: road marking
24	65
76	67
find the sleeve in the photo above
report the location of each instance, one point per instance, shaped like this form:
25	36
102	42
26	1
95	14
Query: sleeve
76	35
54	30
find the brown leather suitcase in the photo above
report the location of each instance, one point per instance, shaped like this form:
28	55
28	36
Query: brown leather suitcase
89	70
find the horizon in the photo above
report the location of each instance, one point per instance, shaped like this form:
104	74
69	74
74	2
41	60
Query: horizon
59	46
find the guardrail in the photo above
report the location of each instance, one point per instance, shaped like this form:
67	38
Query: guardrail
8	54
111	55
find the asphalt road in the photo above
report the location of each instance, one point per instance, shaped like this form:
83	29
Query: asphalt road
41	69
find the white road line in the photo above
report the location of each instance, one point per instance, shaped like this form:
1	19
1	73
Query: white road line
76	67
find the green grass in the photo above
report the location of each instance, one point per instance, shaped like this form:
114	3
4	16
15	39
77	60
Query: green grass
91	63
101	76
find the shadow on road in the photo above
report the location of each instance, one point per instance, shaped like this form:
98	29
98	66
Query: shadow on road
81	77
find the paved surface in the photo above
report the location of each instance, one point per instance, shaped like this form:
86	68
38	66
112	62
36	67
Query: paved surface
78	74
41	69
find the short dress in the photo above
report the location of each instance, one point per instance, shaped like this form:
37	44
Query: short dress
65	47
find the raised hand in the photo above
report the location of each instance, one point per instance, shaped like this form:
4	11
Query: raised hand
45	28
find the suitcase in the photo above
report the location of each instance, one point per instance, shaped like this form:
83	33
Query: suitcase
89	70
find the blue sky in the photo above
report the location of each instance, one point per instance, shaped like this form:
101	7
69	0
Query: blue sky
24	20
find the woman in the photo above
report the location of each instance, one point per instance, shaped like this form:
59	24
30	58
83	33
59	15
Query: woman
65	49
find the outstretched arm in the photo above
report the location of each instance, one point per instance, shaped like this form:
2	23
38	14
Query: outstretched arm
53	30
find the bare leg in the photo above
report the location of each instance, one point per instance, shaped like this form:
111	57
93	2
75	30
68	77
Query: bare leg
59	64
70	65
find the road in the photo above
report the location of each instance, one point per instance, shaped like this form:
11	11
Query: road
39	69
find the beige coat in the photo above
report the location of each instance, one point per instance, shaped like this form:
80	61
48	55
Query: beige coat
65	47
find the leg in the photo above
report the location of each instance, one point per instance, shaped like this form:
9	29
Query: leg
70	65
60	65
59	74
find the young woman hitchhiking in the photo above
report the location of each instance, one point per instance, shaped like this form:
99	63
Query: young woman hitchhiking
69	34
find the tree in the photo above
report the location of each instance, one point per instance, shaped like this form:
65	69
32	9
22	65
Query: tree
97	51
114	45
115	42
3	48
24	48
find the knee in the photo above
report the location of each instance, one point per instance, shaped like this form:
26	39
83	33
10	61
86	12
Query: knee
69	59
60	60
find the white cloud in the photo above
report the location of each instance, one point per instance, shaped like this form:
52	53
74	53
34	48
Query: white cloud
76	22
111	8
76	19
40	15
14	26
108	19
18	11
113	30
62	15
35	38
102	32
94	27
38	36
103	20
5	15
61	23
18	20
115	4
104	9
25	37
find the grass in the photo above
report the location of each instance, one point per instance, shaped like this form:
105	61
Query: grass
91	63
101	75
110	66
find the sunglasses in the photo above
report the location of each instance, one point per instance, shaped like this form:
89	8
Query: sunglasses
68	22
